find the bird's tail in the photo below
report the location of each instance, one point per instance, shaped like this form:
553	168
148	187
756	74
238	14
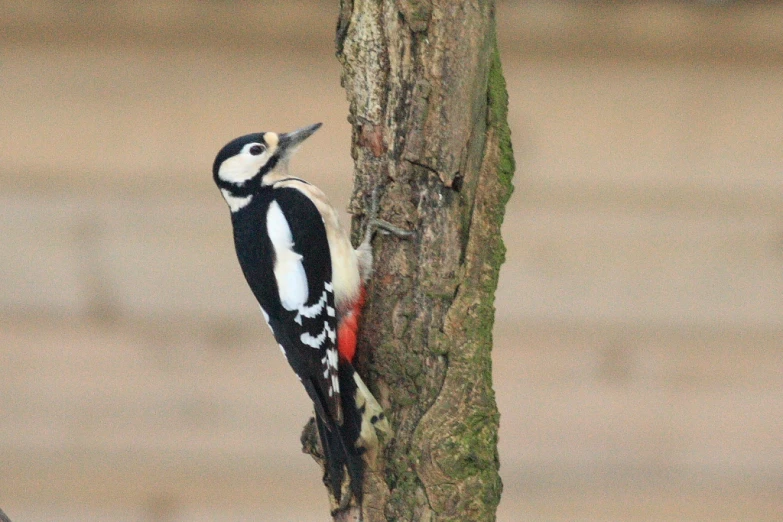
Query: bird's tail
338	457
354	444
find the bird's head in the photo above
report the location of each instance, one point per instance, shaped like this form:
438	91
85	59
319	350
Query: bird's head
250	161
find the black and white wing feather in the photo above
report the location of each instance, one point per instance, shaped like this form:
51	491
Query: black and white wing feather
305	323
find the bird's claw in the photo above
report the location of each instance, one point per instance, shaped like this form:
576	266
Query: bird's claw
374	223
390	229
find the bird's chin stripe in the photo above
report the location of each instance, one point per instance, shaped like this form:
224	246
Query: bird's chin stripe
270	165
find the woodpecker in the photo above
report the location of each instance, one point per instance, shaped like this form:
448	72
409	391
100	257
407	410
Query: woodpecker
309	281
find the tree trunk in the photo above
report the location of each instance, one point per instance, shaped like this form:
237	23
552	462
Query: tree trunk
428	107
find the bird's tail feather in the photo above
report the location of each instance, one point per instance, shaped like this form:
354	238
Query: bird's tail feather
334	459
339	442
354	444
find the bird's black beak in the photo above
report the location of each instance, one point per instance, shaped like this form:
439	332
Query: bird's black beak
290	141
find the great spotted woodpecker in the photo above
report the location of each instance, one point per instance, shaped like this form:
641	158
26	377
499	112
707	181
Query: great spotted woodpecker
309	280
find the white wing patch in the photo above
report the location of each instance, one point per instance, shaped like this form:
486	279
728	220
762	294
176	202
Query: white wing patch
345	264
289	271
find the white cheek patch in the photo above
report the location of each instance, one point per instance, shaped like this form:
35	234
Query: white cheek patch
289	271
242	167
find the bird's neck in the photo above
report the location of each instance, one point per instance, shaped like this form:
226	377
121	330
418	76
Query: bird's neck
240	196
254	250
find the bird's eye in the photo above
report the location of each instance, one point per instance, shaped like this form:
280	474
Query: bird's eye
256	149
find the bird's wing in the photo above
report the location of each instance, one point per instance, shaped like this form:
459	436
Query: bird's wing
308	324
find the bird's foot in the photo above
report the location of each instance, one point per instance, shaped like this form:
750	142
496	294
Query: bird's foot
374	223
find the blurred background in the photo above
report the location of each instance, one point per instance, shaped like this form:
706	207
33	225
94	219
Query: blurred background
639	333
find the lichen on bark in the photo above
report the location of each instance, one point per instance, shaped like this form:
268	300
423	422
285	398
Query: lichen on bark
428	107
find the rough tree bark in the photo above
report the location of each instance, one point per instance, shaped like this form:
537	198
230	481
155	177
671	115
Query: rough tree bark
428	107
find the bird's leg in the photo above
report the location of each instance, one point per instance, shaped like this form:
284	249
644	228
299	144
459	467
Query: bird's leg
364	250
374	223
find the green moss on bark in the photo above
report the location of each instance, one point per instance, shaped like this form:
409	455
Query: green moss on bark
456	441
497	98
